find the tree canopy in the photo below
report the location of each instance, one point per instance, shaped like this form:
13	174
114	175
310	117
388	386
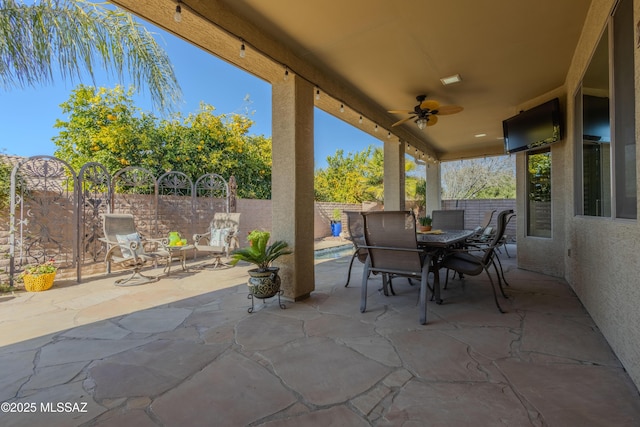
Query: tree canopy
105	126
488	178
73	36
357	177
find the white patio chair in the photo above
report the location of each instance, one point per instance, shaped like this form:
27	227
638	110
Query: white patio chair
221	239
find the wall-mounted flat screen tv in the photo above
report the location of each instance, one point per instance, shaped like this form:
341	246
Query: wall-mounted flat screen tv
534	128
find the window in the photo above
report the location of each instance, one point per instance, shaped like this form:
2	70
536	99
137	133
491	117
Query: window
624	109
605	125
539	193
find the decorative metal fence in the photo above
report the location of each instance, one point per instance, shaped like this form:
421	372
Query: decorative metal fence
56	213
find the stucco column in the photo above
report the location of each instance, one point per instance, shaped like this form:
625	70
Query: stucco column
434	188
292	183
393	176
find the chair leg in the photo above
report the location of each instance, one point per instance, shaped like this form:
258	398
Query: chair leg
506	250
388	285
501	270
499	280
363	290
424	286
353	257
136	275
493	288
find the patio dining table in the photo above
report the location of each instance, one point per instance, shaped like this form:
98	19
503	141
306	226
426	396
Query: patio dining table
438	243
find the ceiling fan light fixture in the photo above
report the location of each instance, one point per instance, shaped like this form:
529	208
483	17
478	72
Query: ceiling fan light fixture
422	123
449	80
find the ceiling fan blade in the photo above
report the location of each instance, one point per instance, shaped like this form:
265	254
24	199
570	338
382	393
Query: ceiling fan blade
449	109
400	111
402	121
429	104
432	120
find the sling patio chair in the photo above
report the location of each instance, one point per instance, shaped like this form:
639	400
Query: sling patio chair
448	219
390	238
125	246
503	242
473	260
483	232
355	227
221	239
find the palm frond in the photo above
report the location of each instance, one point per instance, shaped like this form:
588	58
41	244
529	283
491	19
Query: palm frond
81	36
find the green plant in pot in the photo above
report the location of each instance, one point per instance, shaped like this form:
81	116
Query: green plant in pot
425	223
264	281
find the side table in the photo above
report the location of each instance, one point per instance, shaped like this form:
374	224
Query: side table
179	253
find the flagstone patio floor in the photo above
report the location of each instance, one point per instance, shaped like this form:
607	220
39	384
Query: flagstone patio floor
184	351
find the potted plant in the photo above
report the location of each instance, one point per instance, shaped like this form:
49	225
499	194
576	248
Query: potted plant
38	277
425	223
264	281
336	223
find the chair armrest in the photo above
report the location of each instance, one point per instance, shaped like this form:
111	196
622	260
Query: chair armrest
197	237
392	248
154	242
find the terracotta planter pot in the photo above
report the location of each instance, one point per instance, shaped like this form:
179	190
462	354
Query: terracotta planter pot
424	228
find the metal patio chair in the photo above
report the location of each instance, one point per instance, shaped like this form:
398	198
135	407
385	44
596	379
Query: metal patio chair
125	246
390	238
221	239
448	219
355	227
473	260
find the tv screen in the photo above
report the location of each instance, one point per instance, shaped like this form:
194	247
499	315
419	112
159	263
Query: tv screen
533	128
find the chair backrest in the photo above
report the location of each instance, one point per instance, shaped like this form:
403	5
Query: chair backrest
484	231
117	224
392	229
225	220
486	220
355	227
500	229
448	219
222	225
116	228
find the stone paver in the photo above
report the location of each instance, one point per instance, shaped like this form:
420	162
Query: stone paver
184	351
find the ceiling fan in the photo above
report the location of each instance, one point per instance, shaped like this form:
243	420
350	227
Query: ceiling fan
426	112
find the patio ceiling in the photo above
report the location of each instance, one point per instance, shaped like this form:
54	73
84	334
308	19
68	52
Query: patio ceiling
377	55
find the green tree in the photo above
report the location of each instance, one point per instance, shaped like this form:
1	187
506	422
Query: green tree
80	36
105	126
539	166
489	178
356	177
5	183
343	180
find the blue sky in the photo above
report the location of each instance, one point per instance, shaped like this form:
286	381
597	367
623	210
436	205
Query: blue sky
27	115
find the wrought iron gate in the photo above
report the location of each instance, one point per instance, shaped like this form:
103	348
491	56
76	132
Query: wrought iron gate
56	213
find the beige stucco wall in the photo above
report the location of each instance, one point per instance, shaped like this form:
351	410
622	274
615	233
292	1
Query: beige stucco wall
536	253
599	257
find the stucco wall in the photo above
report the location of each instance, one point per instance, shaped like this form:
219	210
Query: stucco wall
601	256
545	255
